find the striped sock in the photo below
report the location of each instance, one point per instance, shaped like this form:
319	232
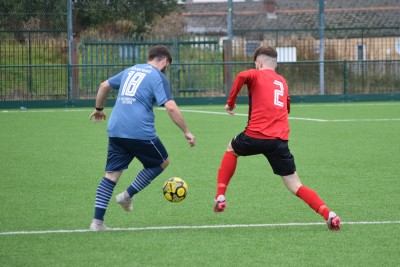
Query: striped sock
103	196
143	179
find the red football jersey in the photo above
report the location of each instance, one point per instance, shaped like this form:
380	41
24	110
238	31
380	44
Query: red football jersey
269	103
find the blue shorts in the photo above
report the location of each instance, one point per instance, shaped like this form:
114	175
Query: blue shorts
121	152
275	150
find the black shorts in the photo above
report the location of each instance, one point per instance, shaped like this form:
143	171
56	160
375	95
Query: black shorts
275	150
121	151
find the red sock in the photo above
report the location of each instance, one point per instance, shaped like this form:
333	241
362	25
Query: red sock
313	200
225	172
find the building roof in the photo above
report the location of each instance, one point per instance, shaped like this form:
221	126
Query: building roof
211	17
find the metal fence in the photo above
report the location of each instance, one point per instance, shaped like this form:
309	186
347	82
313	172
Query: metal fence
342	77
36	67
36	63
126	51
340	44
50	82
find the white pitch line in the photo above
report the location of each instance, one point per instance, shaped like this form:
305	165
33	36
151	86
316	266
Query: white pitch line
308	119
353	120
343	120
347	104
43	110
155	228
210	112
291	118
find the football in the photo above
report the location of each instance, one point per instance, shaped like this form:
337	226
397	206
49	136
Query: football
175	189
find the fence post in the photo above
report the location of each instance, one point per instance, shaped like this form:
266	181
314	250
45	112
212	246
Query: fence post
345	77
30	78
227	66
75	71
321	46
69	19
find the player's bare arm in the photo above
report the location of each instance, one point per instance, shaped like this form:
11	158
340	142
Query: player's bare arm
98	114
176	116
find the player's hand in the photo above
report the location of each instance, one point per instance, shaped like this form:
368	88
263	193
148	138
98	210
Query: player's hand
98	116
230	109
190	138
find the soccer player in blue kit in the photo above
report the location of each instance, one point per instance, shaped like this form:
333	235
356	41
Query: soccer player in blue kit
131	129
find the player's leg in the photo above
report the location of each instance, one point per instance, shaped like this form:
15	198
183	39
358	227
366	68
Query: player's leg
154	157
237	146
283	164
145	177
292	182
310	197
103	195
117	160
225	172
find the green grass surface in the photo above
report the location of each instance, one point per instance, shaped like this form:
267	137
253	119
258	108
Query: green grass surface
51	162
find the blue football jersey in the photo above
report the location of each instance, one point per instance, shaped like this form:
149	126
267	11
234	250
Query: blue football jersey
139	88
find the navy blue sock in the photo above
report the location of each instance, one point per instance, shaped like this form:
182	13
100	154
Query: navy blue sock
143	179
103	196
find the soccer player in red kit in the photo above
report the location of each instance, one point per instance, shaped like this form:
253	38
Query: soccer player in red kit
267	133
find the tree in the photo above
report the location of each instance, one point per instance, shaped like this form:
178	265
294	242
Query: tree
87	14
172	24
21	16
142	13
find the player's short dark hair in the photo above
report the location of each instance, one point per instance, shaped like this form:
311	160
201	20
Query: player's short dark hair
268	51
159	52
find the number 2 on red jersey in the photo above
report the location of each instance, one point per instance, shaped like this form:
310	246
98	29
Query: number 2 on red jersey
278	93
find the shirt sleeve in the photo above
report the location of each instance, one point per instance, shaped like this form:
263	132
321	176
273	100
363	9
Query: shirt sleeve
163	91
241	79
115	81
